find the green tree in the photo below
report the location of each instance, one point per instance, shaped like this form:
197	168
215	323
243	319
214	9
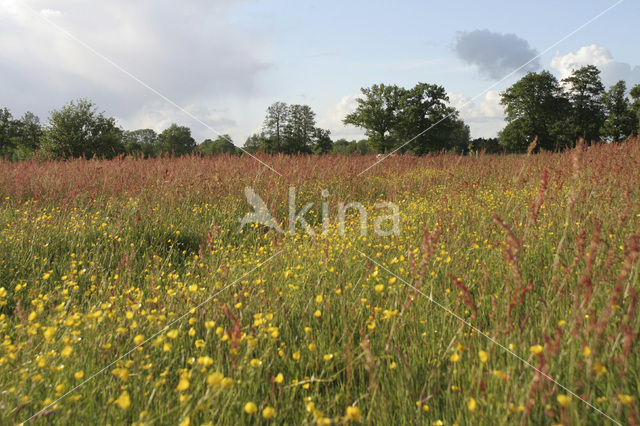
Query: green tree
8	130
428	122
77	129
620	121
141	142
584	91
256	142
535	106
635	106
377	113
28	135
176	140
323	142
275	122
300	129
221	145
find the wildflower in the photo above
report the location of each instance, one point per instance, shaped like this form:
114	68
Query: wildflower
138	339
66	351
268	412
625	399
454	358
586	351
536	349
393	365
563	400
379	288
328	357
172	334
183	384
483	355
319	298
279	378
296	355
199	343
471	404
185	422
205	361
78	375
255	363
353	413
250	408
312	347
317	313
123	401
227	383
215	379
209	325
599	369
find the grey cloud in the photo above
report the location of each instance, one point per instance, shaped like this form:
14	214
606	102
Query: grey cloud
495	54
194	52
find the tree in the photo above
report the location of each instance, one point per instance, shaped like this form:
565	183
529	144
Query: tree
176	140
425	119
141	142
221	145
7	132
78	130
635	106
323	142
584	91
256	142
620	121
275	122
27	136
535	106
300	129
377	113
491	145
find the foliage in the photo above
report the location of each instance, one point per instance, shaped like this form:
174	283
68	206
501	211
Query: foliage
585	93
620	119
176	140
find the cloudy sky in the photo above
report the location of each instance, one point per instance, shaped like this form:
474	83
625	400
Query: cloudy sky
225	62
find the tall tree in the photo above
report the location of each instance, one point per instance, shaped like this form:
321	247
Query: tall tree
323	143
635	106
77	129
256	142
176	140
275	123
535	106
377	112
425	123
620	121
7	132
300	129
584	91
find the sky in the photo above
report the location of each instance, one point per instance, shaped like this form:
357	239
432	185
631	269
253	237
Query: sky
224	62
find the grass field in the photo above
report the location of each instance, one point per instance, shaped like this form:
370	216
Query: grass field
508	297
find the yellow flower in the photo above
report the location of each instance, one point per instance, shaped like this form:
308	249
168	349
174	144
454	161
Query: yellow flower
296	355
268	412
66	352
328	357
172	334
215	379
319	298
209	325
186	421
483	355
499	374
393	365
471	404
205	361
279	378
625	399
536	349
138	339
454	358
199	343
183	384
379	288
312	347
250	408
123	400
563	400
227	383
78	375
255	363
586	351
317	313
392	280
353	413
599	369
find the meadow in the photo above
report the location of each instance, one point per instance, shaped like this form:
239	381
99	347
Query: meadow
509	296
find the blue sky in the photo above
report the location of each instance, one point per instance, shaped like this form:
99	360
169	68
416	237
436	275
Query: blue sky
225	62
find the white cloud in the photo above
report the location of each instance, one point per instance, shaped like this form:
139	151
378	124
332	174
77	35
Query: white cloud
193	52
485	118
611	70
332	119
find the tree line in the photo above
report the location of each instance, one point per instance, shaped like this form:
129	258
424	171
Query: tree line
558	113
